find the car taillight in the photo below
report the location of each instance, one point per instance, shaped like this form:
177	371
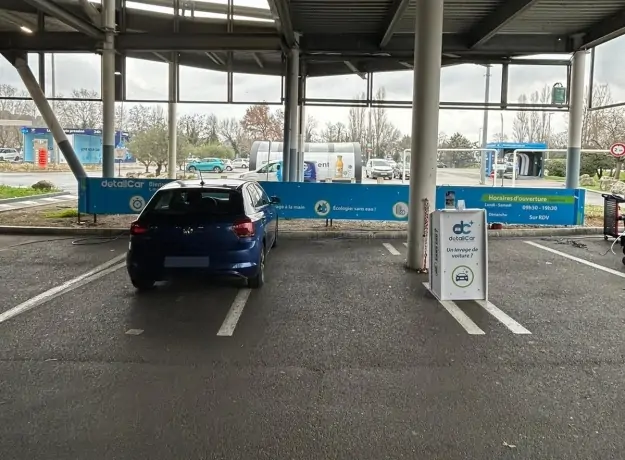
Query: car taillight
137	228
243	228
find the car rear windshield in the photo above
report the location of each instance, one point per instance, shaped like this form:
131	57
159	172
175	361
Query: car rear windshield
380	163
195	203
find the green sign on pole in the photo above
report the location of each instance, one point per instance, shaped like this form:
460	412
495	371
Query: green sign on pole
558	94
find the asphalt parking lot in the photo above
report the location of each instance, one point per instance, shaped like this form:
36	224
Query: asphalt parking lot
341	355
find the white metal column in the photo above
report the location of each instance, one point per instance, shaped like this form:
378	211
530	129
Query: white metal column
294	166
425	108
485	128
108	90
576	114
172	120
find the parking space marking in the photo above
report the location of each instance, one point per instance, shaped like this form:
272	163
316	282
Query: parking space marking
511	324
460	316
391	249
26	202
232	318
406	244
50	199
577	259
87	277
134	332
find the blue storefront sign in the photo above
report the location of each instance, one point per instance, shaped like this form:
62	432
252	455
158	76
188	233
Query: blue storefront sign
521	206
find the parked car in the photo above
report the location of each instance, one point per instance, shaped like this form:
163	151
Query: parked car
228	165
378	168
218	227
241	163
397	171
207	164
268	172
9	154
440	164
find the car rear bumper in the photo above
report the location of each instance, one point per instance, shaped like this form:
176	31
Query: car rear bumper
237	264
375	174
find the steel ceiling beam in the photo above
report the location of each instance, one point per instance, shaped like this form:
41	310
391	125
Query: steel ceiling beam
282	17
491	24
402	45
395	13
603	31
54	10
198	42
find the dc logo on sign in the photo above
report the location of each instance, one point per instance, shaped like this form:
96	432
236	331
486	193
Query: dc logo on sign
137	203
400	210
462	228
322	208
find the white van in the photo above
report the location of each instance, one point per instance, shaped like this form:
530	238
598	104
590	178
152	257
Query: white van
333	160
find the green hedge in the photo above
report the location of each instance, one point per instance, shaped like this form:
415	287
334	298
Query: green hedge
556	167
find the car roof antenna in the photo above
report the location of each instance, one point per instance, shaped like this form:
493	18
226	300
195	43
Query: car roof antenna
202	183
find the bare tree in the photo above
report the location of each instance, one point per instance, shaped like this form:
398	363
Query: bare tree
533	126
15	109
311	126
335	132
80	114
357	123
233	134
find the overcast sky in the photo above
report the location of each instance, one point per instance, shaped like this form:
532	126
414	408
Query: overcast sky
148	80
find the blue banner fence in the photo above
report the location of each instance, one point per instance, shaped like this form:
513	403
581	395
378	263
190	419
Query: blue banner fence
517	206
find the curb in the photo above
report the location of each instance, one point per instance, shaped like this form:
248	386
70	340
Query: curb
310	234
32	197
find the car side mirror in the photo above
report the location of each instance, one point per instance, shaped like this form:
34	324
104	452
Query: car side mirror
274	200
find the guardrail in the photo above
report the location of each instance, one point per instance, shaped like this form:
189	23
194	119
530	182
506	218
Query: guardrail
300	200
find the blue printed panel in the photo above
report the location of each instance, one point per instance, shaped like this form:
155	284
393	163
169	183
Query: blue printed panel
524	206
339	201
521	206
116	196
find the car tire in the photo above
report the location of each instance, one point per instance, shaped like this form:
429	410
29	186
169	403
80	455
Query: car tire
258	280
217	169
143	283
228	168
192	169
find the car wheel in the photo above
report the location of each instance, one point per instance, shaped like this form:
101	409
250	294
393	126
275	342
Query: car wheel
275	240
258	280
228	168
143	283
217	169
192	169
16	159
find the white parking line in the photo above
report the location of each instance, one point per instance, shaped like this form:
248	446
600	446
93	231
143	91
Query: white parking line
92	275
391	249
460	316
406	244
511	324
26	202
52	200
232	318
577	259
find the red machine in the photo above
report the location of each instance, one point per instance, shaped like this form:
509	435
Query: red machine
42	158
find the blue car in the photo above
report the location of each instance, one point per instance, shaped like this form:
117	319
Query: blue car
219	227
207	164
